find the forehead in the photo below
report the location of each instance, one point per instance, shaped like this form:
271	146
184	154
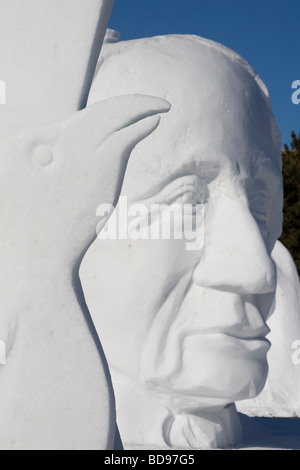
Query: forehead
220	114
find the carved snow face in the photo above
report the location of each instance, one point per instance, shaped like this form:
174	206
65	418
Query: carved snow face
189	326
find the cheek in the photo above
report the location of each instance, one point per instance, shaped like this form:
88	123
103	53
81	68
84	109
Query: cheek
136	276
156	266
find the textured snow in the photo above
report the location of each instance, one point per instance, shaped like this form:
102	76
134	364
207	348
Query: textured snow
54	372
49	51
221	114
281	394
58	163
56	391
55	387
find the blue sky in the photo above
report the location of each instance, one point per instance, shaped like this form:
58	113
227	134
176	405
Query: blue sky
264	32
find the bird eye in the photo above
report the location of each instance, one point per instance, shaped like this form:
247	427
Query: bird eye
42	154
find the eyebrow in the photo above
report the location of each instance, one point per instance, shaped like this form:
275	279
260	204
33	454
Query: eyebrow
202	169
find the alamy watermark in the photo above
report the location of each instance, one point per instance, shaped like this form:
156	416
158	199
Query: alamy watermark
154	222
2	92
296	94
296	353
2	353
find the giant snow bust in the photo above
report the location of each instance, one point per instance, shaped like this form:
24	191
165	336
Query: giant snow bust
184	330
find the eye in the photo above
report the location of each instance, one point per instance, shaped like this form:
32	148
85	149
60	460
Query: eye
188	194
258	199
258	206
42	155
179	215
178	207
191	198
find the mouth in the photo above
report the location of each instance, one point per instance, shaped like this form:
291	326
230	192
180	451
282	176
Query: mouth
240	331
251	344
240	319
251	339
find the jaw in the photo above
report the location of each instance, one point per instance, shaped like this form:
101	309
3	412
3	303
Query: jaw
156	427
215	370
204	348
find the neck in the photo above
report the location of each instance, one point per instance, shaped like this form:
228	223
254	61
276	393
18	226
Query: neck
156	427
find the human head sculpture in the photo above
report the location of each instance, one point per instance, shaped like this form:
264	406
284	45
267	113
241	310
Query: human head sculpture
184	331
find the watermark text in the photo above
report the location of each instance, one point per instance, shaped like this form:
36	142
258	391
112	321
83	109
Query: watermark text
2	92
2	353
296	353
152	222
296	94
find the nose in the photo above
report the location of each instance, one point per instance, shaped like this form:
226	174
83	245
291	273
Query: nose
234	255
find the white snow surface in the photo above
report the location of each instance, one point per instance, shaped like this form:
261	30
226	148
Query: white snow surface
57	163
194	128
49	51
281	394
55	388
55	373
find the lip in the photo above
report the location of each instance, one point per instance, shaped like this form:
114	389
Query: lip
240	319
229	352
247	333
237	331
254	345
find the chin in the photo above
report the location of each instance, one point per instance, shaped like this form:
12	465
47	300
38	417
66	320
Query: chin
219	370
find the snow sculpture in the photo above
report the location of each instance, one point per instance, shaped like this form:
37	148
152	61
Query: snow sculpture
184	330
56	165
281	394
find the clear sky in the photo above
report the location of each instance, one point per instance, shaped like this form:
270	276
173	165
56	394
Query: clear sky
265	32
